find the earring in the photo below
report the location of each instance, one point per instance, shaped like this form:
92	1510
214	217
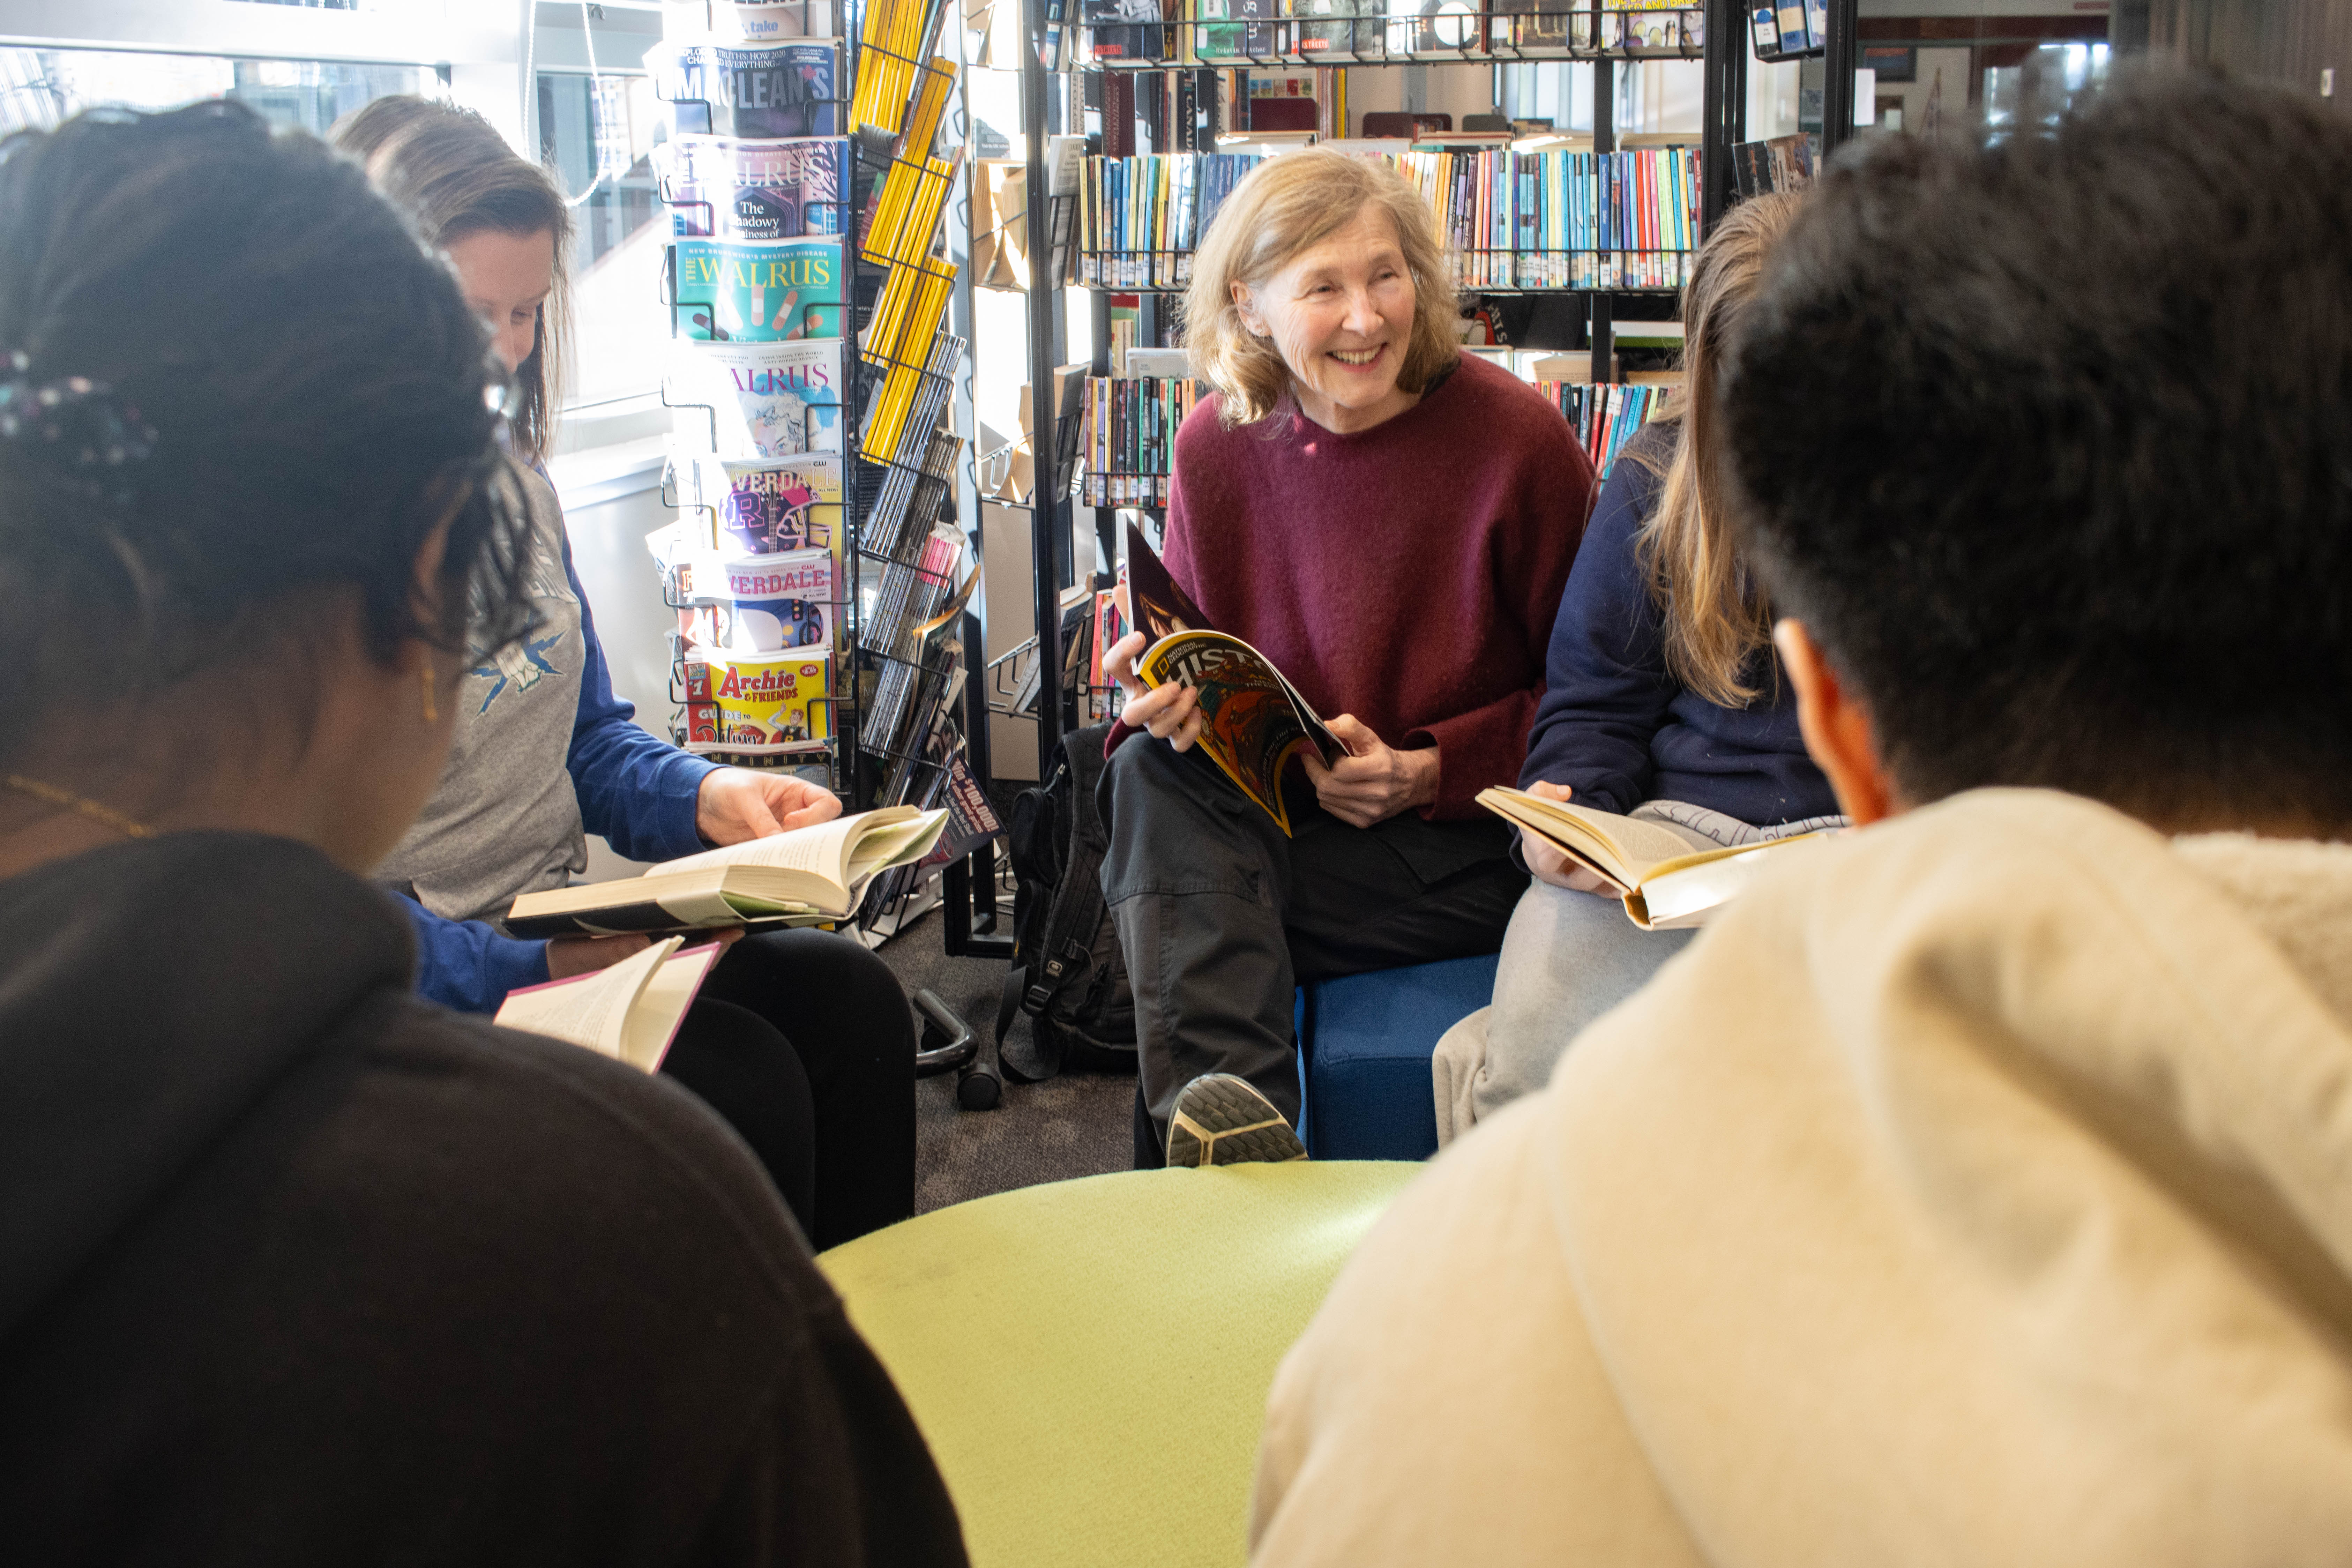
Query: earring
424	679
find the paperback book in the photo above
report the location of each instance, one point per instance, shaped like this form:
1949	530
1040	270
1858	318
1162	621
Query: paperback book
1238	28
725	189
628	1011
809	871
1669	877
765	400
1356	28
739	291
1125	29
748	90
1253	721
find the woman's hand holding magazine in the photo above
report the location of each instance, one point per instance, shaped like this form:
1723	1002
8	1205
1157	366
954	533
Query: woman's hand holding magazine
1170	714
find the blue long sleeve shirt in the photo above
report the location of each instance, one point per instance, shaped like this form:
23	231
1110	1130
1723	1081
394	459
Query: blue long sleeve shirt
636	790
1616	726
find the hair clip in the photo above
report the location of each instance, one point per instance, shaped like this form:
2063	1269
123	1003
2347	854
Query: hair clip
75	428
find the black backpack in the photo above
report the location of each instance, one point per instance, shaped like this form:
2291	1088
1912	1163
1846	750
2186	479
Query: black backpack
1067	971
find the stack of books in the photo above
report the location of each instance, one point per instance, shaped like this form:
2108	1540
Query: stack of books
1192	32
902	97
1561	219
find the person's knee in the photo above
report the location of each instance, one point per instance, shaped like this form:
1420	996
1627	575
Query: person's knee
820	961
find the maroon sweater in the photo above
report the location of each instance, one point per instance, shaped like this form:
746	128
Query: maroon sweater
1408	575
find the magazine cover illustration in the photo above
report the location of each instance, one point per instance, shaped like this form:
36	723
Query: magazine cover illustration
1253	721
1249	724
778	701
755	90
730	291
767	400
731	190
1161	608
794	504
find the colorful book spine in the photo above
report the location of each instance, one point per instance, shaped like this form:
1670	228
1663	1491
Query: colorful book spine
1141	218
1605	414
1509	220
1128	437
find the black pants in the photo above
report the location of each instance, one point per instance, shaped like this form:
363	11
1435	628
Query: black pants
1220	917
803	1041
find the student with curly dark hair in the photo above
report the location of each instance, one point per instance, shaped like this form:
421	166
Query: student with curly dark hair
296	1267
1977	1189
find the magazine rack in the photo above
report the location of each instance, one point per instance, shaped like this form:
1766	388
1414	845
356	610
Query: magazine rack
890	499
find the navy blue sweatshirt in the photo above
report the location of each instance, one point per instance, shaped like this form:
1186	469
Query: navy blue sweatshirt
1616	727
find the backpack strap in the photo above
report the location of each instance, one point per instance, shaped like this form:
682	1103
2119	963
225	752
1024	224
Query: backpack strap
1062	953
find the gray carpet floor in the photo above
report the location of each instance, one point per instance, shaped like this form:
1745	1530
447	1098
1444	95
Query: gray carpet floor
1076	1125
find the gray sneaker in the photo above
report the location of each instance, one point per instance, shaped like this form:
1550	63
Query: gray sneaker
1220	1120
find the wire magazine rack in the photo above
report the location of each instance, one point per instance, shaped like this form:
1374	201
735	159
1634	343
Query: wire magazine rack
886	502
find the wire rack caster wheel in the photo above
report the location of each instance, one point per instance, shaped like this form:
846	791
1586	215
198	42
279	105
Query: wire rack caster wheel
978	1086
949	1044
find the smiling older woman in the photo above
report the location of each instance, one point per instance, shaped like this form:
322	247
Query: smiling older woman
1391	523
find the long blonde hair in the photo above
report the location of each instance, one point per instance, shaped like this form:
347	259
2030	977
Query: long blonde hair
1280	208
1716	615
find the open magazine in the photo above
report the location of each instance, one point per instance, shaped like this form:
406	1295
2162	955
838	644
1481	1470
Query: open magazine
1253	721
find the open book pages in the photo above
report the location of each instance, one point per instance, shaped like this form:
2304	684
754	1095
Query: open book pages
1253	721
798	877
628	1011
1669	877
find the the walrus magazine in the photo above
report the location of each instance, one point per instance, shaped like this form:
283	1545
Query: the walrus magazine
752	191
764	400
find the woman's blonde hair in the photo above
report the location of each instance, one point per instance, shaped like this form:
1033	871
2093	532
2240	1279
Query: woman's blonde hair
1284	205
1716	617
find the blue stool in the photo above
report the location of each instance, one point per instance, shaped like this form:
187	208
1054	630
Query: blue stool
1364	1045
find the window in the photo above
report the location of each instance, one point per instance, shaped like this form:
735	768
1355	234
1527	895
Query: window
598	137
41	86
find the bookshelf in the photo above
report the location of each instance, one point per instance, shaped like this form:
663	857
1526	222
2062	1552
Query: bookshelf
1171	74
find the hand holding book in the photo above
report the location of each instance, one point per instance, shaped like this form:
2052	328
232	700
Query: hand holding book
1549	863
733	805
1672	877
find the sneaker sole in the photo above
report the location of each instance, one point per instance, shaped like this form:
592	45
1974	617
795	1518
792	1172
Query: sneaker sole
1220	1121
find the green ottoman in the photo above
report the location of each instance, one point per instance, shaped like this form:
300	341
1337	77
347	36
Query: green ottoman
1089	1360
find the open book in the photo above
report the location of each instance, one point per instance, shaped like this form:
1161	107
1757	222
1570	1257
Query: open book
809	873
628	1011
1253	721
1669	877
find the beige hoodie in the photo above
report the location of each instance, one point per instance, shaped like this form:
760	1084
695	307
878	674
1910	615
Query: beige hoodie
1976	1190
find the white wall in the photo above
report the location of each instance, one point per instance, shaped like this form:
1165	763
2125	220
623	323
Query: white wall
608	549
